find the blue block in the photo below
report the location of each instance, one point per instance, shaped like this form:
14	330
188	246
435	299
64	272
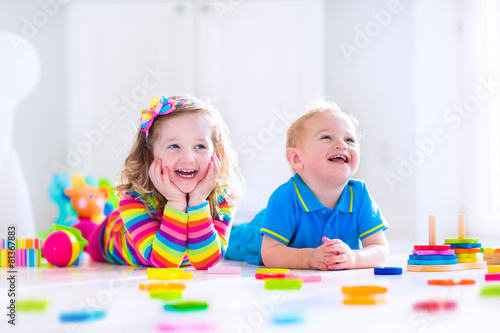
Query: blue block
81	316
433	257
388	271
465	246
432	262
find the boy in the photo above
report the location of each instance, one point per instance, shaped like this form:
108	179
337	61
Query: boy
318	218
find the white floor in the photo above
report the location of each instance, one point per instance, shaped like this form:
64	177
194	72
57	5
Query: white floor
239	303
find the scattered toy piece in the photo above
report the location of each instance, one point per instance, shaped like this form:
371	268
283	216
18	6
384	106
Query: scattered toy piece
224	270
304	278
492	277
81	316
31	305
450	282
282	284
272	270
490	290
262	276
388	270
364	290
186	306
435	305
494	269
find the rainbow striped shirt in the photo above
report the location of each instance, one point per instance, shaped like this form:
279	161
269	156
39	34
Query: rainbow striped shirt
130	236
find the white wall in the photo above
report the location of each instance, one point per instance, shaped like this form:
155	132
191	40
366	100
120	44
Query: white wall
262	61
376	83
40	132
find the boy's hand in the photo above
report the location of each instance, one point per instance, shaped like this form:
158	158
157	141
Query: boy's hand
318	258
340	254
207	184
160	179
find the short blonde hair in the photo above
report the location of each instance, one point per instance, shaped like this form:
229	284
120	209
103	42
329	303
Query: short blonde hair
135	174
295	131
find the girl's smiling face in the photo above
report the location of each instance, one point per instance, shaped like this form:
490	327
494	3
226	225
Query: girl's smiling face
185	146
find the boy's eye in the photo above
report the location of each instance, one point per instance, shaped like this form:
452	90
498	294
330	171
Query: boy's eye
326	137
174	146
200	147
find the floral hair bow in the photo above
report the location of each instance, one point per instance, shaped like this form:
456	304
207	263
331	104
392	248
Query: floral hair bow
159	106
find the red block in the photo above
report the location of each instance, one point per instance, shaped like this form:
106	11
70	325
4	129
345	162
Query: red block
432	247
492	277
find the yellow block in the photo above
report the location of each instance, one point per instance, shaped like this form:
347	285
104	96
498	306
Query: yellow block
466	255
466	260
494	269
489	250
272	270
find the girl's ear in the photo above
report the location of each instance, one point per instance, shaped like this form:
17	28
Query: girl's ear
293	158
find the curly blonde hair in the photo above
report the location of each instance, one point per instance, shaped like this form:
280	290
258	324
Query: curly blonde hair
135	174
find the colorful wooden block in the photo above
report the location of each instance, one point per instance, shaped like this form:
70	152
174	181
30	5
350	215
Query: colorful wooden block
433	262
472	250
465	246
490	290
488	250
460	241
224	270
162	286
282	284
433	252
32	305
262	276
304	278
433	257
166	295
364	290
388	271
466	255
494	269
81	316
433	247
450	282
168	274
467	260
272	270
186	306
435	305
445	268
357	300
492	277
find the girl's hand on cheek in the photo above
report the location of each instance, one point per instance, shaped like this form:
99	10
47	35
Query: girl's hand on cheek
159	177
207	184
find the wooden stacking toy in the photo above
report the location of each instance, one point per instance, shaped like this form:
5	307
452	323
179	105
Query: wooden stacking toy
456	254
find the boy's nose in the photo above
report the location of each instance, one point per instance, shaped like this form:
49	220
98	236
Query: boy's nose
340	144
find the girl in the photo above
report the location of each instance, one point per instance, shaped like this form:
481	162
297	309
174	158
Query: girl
178	191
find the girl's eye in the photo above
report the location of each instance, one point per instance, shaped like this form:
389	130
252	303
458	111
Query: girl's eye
200	147
350	140
326	137
174	146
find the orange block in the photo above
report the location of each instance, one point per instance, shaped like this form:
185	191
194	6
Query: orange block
473	250
450	282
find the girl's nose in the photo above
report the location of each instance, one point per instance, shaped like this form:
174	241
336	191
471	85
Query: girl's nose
187	156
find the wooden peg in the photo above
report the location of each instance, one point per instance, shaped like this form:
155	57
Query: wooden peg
461	226
432	230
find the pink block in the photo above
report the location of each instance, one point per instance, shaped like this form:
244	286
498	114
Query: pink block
433	252
305	278
492	277
224	270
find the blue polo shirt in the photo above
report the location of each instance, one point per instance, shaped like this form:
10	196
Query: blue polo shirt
295	217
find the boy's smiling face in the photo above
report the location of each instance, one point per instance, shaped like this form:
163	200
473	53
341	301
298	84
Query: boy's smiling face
327	152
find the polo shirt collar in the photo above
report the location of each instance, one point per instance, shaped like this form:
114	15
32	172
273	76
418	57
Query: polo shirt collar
309	202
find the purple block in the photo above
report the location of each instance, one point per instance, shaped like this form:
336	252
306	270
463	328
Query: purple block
433	252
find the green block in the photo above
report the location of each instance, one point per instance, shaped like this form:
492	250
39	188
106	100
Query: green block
166	295
32	305
466	255
186	306
461	241
282	284
491	290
